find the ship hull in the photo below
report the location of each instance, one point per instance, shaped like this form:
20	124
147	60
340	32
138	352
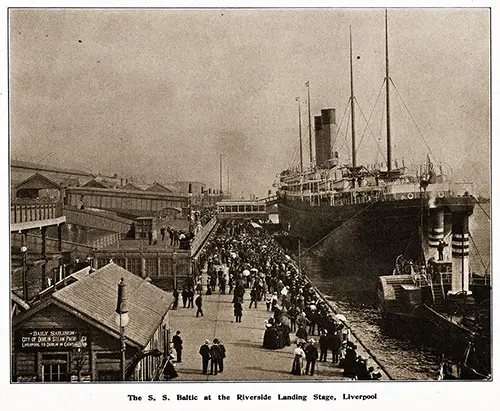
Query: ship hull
357	240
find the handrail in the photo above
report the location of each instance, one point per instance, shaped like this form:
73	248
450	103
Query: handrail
202	235
26	211
432	290
442	285
42	200
320	295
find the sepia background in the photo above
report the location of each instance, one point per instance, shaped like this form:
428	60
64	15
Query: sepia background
225	81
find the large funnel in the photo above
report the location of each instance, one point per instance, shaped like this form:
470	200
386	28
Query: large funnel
327	135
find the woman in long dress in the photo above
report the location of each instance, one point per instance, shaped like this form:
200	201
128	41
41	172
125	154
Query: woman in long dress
238	311
169	371
298	360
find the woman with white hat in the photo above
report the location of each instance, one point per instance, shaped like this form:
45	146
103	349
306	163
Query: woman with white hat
298	359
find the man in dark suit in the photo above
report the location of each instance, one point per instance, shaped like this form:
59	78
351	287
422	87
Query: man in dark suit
222	350
205	356
199	304
190	297
184	294
311	356
335	340
177	342
215	355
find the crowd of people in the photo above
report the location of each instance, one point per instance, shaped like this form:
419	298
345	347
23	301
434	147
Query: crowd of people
255	263
179	238
176	238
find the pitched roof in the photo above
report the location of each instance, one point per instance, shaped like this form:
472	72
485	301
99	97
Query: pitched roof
130	186
157	187
95	183
95	296
38	181
163	188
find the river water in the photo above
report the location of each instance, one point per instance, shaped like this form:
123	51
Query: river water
404	358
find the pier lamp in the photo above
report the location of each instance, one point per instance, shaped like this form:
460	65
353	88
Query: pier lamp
24	256
190	205
79	356
122	321
174	268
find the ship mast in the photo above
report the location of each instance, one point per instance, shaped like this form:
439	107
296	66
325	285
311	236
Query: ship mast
387	105
309	115
352	105
220	175
300	137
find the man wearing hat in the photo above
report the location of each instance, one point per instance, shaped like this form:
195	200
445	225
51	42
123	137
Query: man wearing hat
222	351
215	355
177	342
205	356
199	304
311	356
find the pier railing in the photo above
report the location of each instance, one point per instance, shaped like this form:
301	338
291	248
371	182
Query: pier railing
459	189
105	241
202	235
96	219
34	242
22	211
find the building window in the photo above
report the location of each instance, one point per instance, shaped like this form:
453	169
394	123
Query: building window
120	261
134	265
152	267
109	376
108	366
54	367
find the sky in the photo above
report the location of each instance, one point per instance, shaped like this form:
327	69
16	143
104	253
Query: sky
160	94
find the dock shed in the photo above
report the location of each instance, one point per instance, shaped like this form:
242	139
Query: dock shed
73	334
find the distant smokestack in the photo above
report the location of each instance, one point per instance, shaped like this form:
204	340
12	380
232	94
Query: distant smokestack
220	174
329	129
317	139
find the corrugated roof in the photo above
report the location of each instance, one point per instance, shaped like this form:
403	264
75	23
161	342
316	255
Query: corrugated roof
95	296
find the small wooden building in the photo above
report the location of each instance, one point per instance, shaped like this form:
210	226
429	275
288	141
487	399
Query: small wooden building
37	186
72	335
144	227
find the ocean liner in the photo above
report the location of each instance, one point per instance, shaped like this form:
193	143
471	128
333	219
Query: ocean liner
357	219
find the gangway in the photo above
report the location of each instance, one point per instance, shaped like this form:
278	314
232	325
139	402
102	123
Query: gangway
270	201
241	209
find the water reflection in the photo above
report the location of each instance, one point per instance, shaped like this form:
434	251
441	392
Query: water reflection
403	352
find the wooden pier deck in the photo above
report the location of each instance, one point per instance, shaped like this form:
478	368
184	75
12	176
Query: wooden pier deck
245	360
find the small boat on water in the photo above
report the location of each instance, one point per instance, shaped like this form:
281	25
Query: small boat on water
443	301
